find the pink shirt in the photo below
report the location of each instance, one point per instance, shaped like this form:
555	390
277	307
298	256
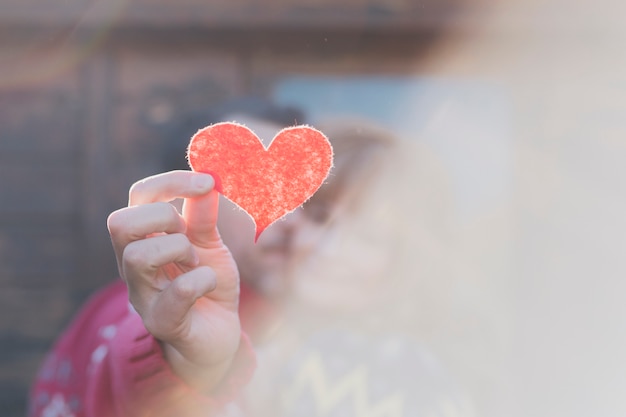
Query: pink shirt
106	364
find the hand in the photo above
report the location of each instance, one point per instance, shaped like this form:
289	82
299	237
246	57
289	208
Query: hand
181	278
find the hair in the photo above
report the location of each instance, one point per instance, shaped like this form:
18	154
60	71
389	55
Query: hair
175	146
360	148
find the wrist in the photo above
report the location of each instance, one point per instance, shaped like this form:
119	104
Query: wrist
203	377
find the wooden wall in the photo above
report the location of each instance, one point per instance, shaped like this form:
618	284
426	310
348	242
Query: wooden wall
84	88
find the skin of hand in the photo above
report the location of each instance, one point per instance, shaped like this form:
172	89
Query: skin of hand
182	279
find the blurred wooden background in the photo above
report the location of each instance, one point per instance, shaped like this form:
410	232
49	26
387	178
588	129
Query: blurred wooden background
85	87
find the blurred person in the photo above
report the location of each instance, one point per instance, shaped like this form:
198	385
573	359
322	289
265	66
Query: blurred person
332	273
369	299
268	268
112	361
183	353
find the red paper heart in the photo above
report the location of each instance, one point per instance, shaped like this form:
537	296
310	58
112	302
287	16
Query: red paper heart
265	183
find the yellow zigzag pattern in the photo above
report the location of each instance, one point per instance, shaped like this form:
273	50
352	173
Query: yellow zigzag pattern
327	394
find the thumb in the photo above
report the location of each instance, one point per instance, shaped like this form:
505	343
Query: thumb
200	214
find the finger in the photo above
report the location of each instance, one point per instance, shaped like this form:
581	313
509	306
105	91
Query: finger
169	186
170	311
135	223
200	213
143	262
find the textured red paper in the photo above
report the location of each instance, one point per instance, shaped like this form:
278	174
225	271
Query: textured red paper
265	183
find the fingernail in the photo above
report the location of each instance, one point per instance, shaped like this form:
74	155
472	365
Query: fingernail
203	182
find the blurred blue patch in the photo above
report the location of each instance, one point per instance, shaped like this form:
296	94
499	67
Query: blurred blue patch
467	124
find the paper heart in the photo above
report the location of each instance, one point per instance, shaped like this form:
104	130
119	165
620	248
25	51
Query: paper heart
265	183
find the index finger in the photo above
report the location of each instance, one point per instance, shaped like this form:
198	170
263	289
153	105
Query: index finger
169	186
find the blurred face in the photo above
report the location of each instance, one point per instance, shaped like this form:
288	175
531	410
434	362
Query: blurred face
350	269
267	265
349	266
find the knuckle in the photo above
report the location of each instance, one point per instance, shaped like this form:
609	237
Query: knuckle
136	189
115	223
151	324
167	213
180	239
182	289
170	209
134	255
